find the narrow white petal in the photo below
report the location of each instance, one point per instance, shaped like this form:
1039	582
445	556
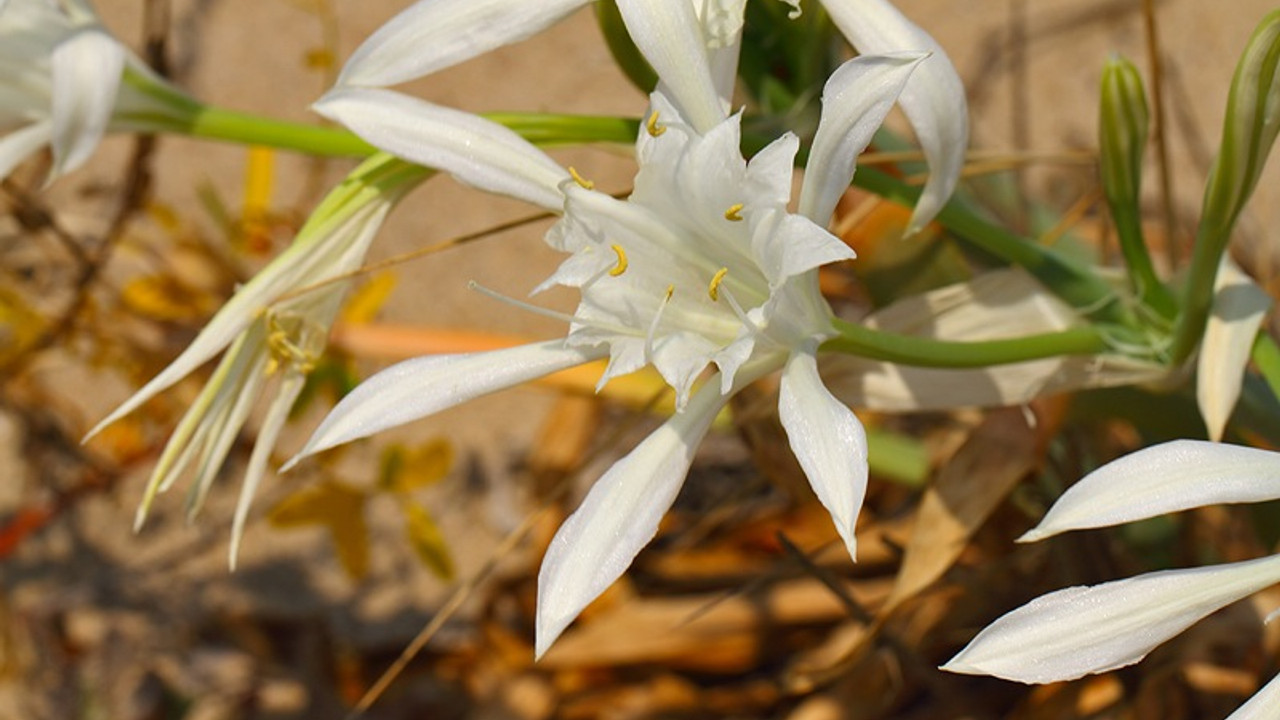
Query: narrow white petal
19	144
86	76
329	253
417	388
474	150
431	35
619	516
933	100
668	33
827	439
290	386
1264	705
1162	479
1081	630
1239	306
855	101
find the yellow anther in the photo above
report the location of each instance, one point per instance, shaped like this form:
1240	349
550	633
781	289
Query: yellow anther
584	183
714	288
621	267
732	214
652	125
671	290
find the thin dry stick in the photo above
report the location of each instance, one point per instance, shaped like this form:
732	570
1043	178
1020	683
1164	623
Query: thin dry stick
1072	216
420	252
1162	142
508	544
1019	103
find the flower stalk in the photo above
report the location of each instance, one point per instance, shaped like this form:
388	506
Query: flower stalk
1248	134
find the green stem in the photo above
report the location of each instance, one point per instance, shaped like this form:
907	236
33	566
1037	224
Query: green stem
1211	243
539	128
1079	287
219	124
1146	286
927	352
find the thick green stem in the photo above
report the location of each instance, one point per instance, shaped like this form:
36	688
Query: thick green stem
219	124
927	352
1079	287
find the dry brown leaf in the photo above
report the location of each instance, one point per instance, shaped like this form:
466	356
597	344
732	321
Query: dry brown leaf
710	632
968	489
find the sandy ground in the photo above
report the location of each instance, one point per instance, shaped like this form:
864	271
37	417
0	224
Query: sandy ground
126	597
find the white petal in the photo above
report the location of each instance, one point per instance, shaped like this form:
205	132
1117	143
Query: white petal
769	174
855	101
474	150
667	32
619	516
786	245
1264	705
417	388
434	34
827	439
933	100
19	144
1080	630
1162	479
87	67
1239	306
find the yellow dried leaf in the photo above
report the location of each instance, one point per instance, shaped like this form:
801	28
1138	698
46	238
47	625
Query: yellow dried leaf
20	325
427	541
407	469
340	509
161	297
369	298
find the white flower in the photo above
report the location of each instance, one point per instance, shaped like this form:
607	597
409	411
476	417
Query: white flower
60	84
1080	630
693	45
273	325
701	269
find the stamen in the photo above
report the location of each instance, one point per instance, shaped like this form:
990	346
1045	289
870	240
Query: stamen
653	324
584	183
732	214
737	310
652	125
283	350
714	288
562	317
621	267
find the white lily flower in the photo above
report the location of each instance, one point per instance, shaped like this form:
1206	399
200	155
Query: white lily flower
60	85
693	45
273	325
1081	630
701	269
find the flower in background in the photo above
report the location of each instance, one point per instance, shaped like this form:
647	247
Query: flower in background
277	324
61	85
701	270
1081	630
431	35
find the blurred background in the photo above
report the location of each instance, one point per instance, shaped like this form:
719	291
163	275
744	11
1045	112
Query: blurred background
740	609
